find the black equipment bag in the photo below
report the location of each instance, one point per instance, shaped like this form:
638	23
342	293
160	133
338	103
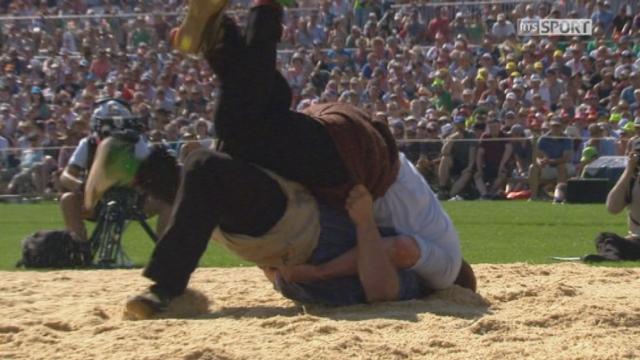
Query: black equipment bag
613	247
53	249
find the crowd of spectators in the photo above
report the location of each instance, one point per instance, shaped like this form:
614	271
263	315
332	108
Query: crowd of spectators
464	95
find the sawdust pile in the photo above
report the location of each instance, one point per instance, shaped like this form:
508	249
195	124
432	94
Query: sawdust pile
521	311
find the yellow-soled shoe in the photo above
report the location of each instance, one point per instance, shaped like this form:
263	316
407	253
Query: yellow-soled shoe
189	36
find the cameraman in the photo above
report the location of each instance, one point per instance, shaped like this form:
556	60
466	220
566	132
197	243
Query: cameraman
109	116
626	192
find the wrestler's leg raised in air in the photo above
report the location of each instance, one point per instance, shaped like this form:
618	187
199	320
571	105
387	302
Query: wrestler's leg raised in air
253	119
215	189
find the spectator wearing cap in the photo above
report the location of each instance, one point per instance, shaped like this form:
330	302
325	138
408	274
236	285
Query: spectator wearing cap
553	161
492	161
458	160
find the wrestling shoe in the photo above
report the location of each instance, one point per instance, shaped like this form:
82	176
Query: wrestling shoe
147	304
189	36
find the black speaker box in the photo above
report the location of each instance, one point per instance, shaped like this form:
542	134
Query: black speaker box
581	191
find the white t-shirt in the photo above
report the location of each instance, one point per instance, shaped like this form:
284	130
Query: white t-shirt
80	155
412	209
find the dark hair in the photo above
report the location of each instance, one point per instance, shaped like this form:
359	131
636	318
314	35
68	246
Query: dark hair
159	174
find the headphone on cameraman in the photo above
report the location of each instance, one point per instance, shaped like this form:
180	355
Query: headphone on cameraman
112	116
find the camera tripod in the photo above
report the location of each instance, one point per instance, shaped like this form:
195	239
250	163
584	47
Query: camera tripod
117	208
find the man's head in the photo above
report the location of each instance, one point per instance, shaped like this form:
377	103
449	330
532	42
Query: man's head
555	126
111	115
411	125
398	130
493	126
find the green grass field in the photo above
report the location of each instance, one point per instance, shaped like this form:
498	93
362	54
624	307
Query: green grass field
491	232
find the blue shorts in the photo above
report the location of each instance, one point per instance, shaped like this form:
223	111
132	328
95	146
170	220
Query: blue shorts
337	236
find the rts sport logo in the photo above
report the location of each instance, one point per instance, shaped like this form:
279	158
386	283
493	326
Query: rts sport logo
554	27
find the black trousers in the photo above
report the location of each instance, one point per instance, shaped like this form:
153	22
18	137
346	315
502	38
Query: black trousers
253	118
255	126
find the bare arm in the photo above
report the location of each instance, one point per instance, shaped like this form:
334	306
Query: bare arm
479	159
617	198
508	151
378	275
402	250
539	156
472	157
70	178
370	259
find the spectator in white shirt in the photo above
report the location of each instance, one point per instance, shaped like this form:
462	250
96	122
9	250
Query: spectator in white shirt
536	87
503	28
